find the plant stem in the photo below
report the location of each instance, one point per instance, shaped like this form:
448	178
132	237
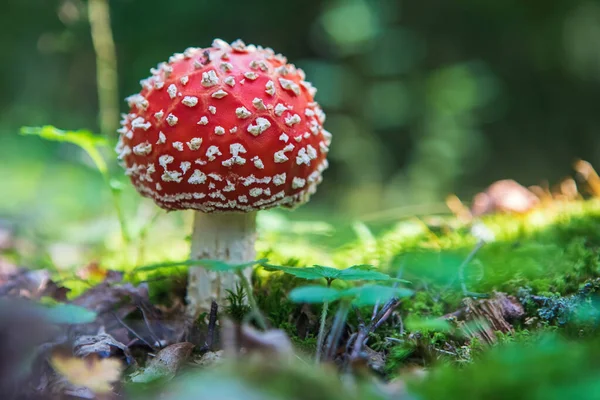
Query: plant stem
321	336
336	329
463	265
106	66
108	92
258	317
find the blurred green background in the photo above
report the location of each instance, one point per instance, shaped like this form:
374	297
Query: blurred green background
424	98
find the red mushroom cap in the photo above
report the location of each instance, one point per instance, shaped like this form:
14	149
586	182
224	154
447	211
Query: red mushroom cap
227	128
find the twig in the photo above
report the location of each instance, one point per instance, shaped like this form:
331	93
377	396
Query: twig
212	323
134	333
386	315
150	330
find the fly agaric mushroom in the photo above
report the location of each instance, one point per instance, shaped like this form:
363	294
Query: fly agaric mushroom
225	131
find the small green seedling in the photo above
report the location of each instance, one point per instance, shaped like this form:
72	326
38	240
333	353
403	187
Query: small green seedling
90	143
219	266
362	272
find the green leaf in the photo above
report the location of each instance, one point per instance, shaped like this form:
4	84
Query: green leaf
82	138
362	273
79	137
354	273
69	314
372	294
213	265
314	294
427	325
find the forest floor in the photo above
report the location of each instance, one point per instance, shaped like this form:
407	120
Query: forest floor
505	307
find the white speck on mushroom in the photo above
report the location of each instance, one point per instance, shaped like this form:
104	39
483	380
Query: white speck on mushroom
235	149
309	113
243	199
262	124
270	88
306	135
216	177
219	94
178	146
194	143
197	178
212	150
242	112
230	80
158	186
289	85
190	101
327	136
165	160
197	64
229	188
219	130
284	138
279	109
212	186
255	192
226	67
280	157
168	70
185	166
140	122
298	183
298	138
251	75
159	85
172	90
283	70
239	45
321	115
314	176
279	179
171	176
311	151
159	114
293	120
221	45
172	120
184	80
129	135
203	121
142	149
311	89
233	130
161	138
209	78
258	104
138	101
323	147
257	162
199	161
212	110
302	157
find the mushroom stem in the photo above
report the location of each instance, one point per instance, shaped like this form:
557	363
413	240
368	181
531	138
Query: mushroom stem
228	237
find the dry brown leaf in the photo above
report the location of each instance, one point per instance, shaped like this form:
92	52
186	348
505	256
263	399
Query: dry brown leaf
95	373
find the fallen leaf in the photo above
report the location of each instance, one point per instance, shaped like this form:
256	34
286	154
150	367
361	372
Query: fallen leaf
95	373
166	363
